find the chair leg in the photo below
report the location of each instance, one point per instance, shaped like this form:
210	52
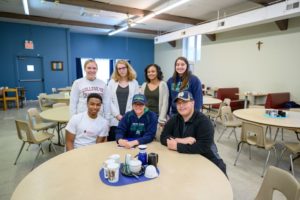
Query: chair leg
218	140
292	165
232	130
28	147
267	160
270	132
276	157
277	130
281	155
250	154
19	153
238	155
235	135
37	155
51	143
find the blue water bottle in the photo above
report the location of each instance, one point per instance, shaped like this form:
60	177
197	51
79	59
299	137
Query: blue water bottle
142	156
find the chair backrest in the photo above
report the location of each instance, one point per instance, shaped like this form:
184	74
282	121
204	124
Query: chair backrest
227	101
281	180
24	131
276	100
249	129
226	114
230	93
34	117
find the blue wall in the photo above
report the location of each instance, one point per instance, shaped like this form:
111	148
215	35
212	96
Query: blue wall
58	44
49	43
140	52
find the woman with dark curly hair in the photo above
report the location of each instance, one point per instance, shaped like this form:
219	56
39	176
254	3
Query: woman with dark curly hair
184	80
156	92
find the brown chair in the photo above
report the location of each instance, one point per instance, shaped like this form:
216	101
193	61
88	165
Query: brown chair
277	100
10	94
26	135
254	135
280	180
232	94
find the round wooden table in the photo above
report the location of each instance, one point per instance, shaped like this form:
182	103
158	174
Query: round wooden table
75	175
66	89
60	115
208	100
257	115
60	97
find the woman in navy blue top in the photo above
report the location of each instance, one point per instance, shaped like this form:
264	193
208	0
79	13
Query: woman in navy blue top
184	80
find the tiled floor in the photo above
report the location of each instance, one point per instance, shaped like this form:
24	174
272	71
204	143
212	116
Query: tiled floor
245	177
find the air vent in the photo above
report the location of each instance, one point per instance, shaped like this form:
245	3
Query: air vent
89	12
292	5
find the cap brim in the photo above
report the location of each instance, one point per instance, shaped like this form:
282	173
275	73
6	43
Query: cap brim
142	102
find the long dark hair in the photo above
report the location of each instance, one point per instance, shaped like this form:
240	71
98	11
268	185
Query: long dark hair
186	75
160	75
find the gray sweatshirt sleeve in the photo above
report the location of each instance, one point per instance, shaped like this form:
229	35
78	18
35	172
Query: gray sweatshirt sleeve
74	98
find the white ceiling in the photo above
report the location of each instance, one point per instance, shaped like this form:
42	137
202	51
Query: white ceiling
207	10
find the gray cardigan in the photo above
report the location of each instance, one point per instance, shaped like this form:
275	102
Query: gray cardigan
163	100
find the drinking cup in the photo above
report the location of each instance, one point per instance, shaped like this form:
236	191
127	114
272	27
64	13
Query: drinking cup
153	159
113	172
151	172
135	166
105	169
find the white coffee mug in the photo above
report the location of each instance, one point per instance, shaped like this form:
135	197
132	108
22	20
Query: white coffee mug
113	172
105	164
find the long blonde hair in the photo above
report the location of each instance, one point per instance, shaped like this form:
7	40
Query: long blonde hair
131	74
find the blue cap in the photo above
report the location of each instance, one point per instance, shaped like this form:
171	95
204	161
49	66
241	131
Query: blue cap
139	98
185	96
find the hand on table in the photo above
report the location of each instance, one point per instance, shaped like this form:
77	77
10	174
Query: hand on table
172	144
187	140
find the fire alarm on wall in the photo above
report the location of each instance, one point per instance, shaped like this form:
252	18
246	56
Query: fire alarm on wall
29	44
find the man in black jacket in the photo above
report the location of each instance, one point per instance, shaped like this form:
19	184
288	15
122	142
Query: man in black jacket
191	132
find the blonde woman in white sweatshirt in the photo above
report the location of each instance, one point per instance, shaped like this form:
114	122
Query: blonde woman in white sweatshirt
82	87
122	86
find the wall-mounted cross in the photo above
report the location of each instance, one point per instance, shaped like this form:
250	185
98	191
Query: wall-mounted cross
259	43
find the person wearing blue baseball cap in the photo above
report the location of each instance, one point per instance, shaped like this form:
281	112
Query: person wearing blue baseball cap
190	131
137	126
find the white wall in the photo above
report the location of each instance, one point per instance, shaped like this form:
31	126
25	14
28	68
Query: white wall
165	56
233	60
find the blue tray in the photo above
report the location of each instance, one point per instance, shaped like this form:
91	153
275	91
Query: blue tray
277	117
124	180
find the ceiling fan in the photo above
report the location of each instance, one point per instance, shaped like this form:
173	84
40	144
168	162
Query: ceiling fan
130	21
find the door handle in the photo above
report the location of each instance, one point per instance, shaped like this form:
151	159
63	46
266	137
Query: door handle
30	80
